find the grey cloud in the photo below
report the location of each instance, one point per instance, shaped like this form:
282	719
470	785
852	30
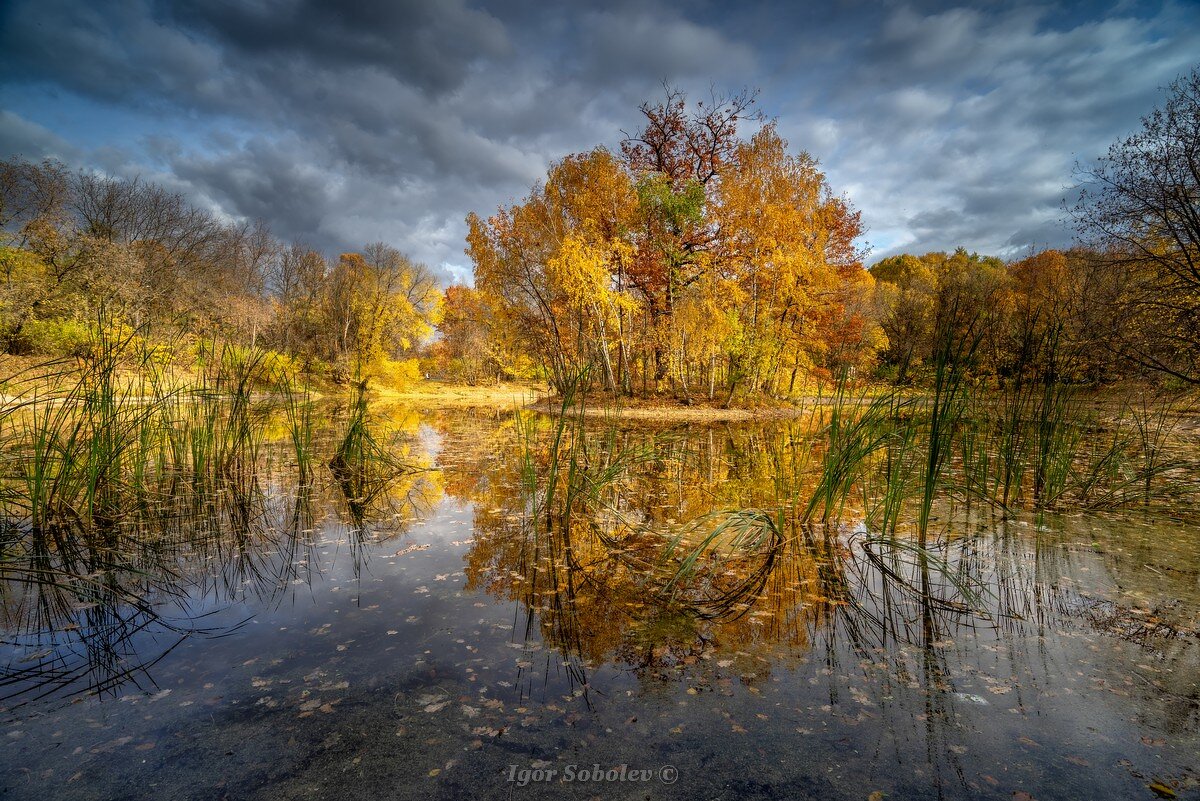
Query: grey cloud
430	45
116	51
341	123
20	137
324	203
265	179
980	117
644	44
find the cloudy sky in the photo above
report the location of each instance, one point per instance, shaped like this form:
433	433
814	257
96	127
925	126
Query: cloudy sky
341	123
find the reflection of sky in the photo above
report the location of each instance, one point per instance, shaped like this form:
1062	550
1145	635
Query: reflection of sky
378	645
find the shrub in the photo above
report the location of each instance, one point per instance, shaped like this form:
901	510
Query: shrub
63	337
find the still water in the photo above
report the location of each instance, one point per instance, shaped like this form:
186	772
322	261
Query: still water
413	639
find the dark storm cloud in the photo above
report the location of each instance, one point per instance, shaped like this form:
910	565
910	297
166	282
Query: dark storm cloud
115	51
430	45
341	123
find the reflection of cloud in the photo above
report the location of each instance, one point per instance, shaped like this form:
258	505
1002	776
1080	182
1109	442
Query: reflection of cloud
344	124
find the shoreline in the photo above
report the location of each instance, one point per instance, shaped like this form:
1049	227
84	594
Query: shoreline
439	394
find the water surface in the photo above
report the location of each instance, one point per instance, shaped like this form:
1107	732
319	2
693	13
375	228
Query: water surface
412	638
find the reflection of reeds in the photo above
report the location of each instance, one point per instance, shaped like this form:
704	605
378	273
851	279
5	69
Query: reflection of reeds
1034	443
111	484
366	469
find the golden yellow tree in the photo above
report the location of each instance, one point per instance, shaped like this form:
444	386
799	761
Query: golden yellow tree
789	243
554	266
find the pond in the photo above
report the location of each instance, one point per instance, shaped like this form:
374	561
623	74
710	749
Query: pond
432	631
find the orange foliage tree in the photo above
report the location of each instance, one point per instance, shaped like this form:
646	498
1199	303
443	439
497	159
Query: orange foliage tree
695	259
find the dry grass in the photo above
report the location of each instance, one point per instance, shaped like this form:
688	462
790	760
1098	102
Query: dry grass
432	393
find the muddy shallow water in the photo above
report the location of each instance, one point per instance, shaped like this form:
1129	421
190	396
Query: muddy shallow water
414	643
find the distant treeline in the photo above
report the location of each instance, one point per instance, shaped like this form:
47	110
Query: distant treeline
694	261
81	251
704	263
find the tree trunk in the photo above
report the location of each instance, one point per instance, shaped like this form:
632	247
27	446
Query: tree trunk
609	382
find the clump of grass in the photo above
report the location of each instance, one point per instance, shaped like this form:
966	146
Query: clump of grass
953	353
298	411
1155	425
731	554
855	431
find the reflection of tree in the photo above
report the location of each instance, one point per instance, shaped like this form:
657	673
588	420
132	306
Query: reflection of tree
600	581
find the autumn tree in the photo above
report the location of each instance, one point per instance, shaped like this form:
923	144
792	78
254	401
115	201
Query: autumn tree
924	300
676	159
297	284
38	257
381	305
1140	206
465	338
472	345
79	246
698	257
789	243
555	266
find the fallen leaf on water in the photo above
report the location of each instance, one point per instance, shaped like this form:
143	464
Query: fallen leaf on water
1161	790
876	796
486	731
1028	742
111	745
1021	795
